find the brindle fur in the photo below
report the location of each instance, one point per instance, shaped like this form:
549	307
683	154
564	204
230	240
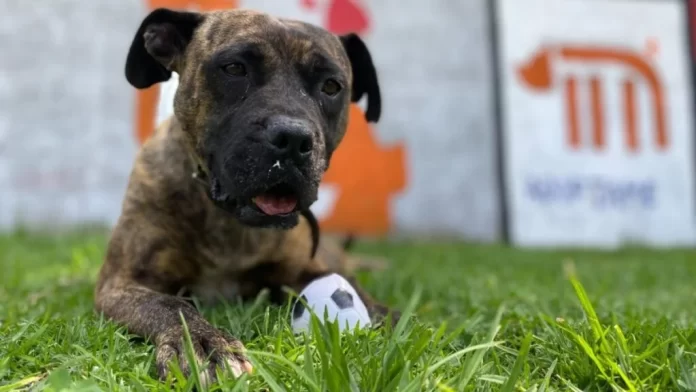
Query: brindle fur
171	237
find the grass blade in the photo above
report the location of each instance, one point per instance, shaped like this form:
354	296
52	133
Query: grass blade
547	378
191	354
19	384
295	368
473	362
509	385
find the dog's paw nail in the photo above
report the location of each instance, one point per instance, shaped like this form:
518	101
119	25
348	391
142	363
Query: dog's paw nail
235	367
247	367
239	367
205	377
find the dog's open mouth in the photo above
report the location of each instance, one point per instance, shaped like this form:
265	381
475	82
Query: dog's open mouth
278	200
263	205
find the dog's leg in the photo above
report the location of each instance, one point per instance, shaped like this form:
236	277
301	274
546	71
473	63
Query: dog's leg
135	289
157	316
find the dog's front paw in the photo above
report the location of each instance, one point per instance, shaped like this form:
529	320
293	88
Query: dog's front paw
212	349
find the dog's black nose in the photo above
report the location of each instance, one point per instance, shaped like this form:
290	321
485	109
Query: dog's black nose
290	137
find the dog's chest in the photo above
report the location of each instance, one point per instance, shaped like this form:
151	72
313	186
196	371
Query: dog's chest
214	284
226	255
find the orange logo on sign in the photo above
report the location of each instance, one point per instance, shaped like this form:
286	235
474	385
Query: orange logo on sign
538	75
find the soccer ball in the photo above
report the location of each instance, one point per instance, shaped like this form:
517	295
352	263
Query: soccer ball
333	294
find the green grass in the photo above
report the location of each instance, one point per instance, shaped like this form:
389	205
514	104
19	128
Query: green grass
484	318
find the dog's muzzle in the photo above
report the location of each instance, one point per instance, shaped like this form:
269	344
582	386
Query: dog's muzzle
271	177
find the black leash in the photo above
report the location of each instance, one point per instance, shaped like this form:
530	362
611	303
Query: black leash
314	225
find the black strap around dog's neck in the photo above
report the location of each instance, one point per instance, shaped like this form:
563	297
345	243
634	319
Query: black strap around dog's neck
201	177
314	225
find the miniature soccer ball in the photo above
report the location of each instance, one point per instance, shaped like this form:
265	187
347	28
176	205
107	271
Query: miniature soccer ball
333	294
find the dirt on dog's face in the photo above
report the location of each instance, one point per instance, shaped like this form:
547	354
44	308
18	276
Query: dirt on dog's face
264	102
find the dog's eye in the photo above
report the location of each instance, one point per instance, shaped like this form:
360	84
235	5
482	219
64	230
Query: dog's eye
235	69
331	87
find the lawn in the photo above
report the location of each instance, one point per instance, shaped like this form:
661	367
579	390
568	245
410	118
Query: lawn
484	318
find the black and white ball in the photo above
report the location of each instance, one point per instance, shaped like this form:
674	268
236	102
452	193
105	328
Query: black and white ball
333	294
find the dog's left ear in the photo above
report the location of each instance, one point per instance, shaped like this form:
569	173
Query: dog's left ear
364	75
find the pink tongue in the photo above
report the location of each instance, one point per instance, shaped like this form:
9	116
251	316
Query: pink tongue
274	205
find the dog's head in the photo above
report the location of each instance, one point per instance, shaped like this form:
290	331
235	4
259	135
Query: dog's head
263	101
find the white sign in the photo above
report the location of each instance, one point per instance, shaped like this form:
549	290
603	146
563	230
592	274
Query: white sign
597	122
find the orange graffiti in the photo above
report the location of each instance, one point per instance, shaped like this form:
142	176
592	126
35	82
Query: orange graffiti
367	176
146	112
537	74
200	5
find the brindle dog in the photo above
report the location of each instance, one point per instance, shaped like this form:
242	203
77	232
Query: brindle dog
218	200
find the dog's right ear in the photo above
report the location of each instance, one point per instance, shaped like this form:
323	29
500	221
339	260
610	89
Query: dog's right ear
159	45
